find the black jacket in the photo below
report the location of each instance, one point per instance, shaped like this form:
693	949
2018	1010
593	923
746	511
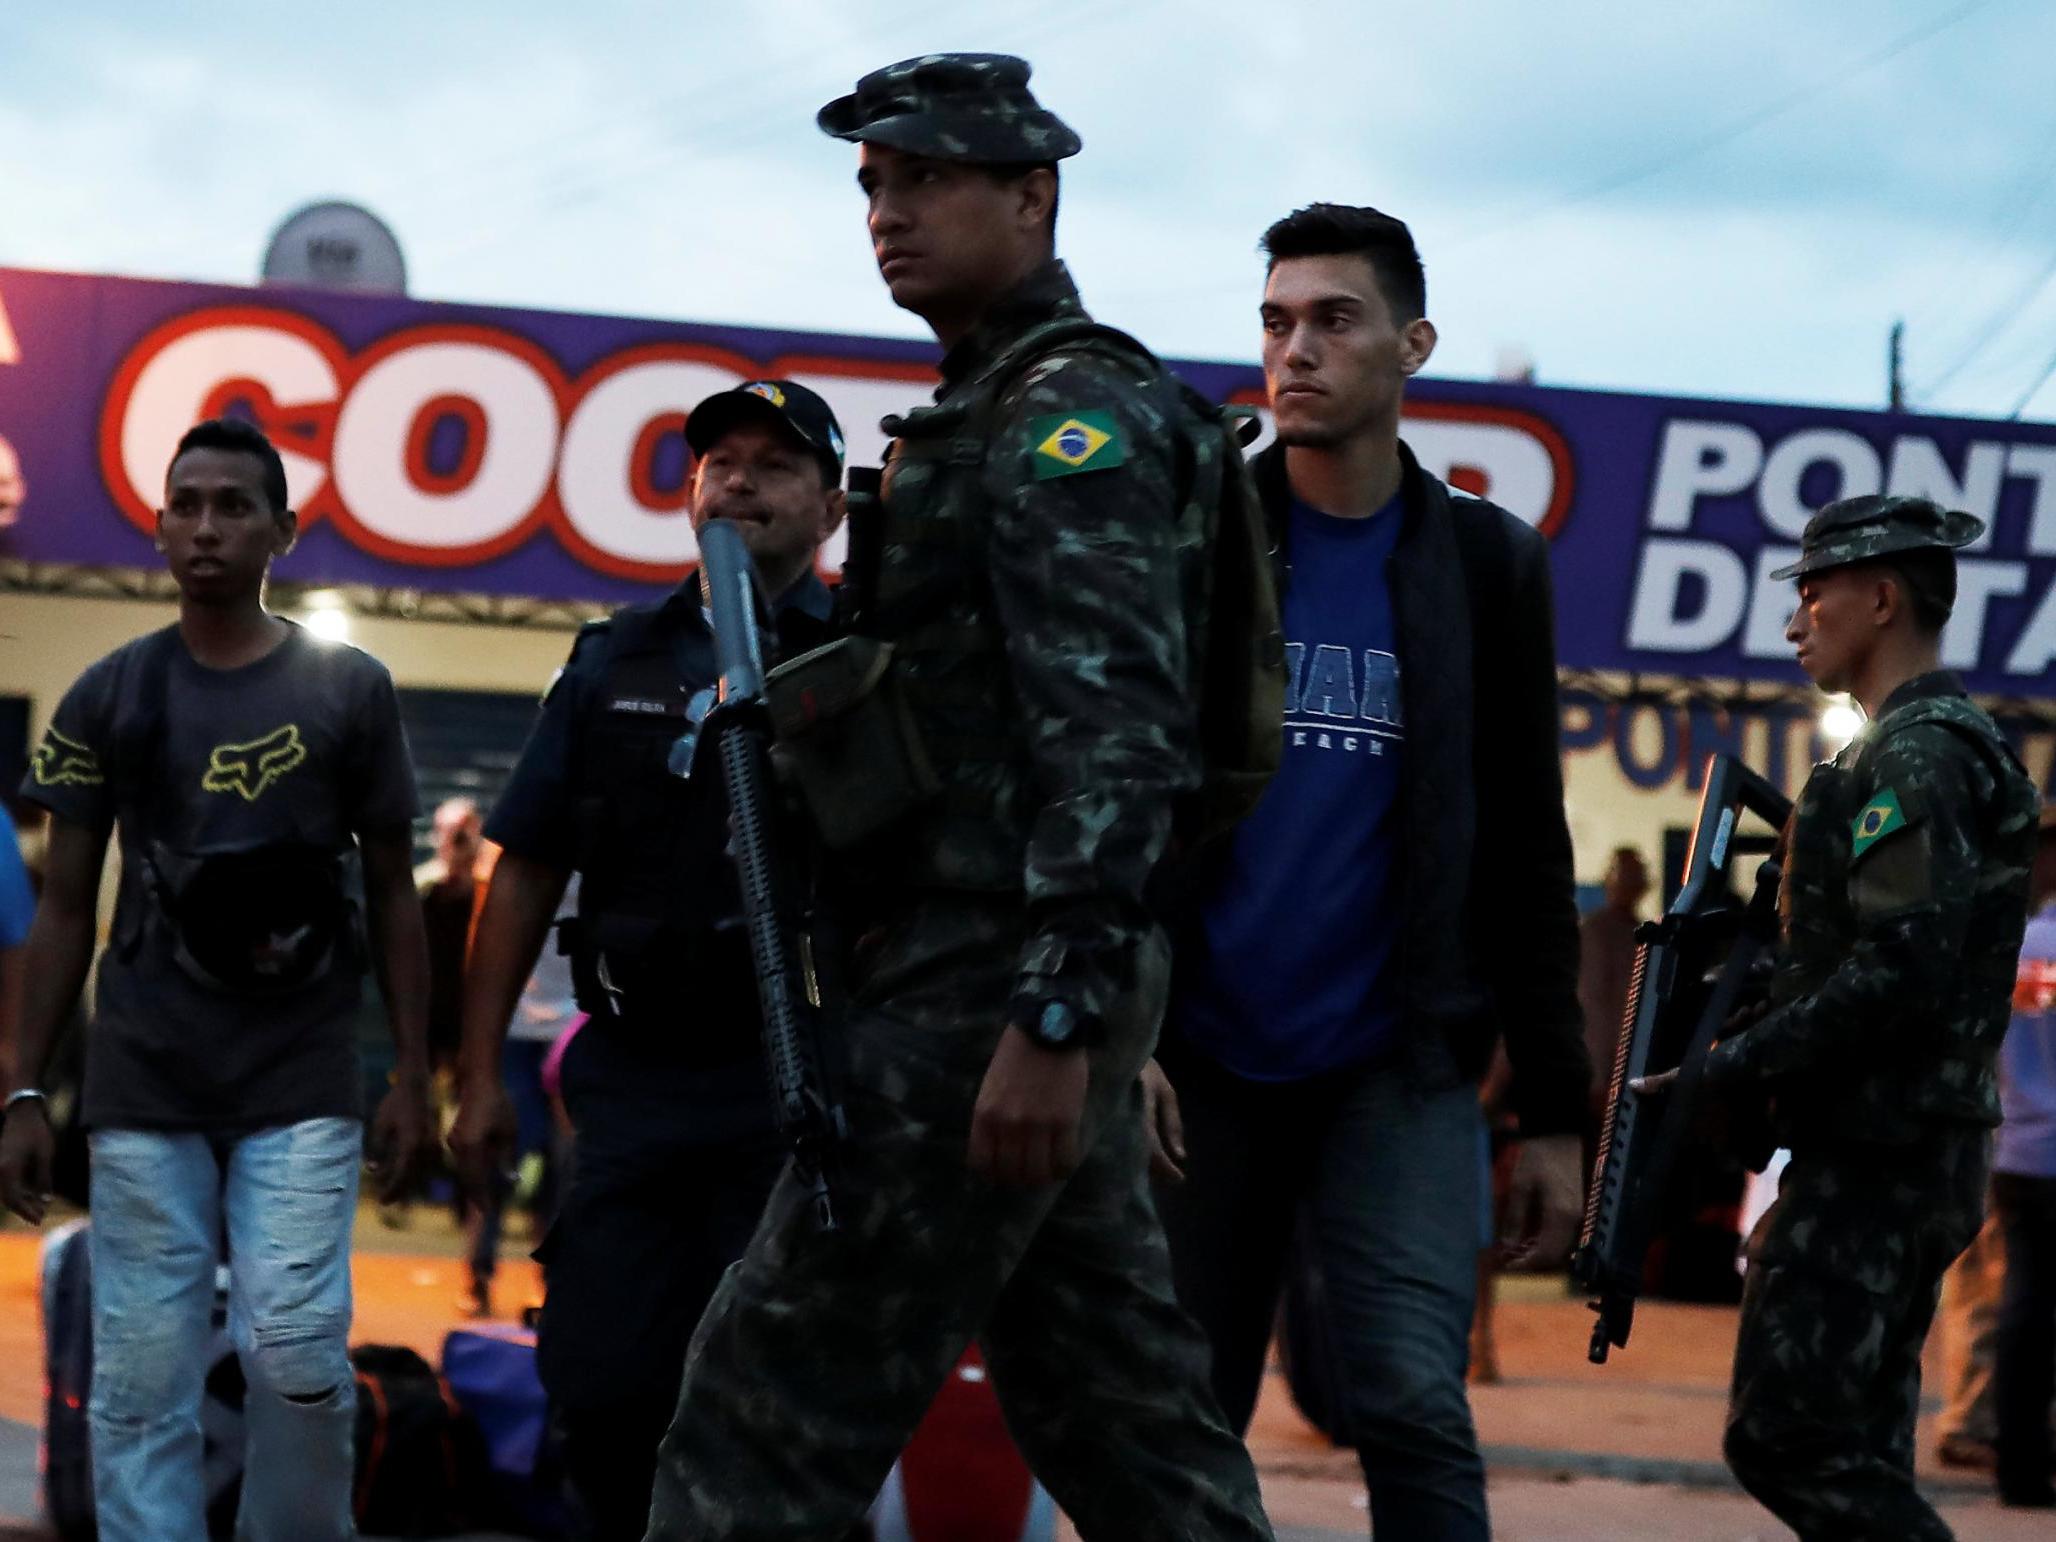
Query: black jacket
1491	943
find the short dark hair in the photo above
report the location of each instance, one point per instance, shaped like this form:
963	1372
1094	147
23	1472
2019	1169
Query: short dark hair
1928	578
244	439
1014	171
1340	229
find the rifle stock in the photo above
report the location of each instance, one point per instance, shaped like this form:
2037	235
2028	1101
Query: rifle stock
740	729
1668	1026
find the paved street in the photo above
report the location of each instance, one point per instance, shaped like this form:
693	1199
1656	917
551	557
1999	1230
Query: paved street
1578	1453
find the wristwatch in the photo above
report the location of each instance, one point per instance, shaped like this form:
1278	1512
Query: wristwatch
1054	1024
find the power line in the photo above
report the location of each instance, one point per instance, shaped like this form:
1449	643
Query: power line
2001	319
587	183
2017	201
1812	91
2029	395
698	107
1735	128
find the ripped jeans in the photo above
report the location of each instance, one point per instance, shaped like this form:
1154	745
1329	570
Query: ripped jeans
162	1201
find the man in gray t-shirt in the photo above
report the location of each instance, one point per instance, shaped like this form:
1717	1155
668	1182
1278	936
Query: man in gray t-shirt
243	765
301	748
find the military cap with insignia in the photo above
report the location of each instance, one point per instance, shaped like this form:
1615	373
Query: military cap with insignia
1875	526
953	107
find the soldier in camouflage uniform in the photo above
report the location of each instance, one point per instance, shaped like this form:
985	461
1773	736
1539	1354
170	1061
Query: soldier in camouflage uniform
1903	902
1035	576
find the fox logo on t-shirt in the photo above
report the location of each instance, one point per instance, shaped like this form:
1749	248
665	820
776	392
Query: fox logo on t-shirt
251	768
60	762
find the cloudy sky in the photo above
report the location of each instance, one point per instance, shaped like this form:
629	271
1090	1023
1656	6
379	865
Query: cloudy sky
1732	199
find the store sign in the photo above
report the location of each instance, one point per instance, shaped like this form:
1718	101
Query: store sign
1658	745
538	453
1730	497
447	445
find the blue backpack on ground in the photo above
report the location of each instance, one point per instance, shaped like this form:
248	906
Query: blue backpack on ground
491	1371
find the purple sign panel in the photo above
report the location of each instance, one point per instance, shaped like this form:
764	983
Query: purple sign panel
513	452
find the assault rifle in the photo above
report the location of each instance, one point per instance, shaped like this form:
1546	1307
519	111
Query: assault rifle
1672	1019
781	945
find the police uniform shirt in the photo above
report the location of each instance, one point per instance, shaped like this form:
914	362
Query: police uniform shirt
693	1040
534	817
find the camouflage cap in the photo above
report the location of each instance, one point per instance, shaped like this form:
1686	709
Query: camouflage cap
1872	526
953	107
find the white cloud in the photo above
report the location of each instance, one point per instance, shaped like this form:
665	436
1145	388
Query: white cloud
661	159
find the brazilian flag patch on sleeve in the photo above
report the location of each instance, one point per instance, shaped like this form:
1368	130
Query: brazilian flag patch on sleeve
1880	817
1070	442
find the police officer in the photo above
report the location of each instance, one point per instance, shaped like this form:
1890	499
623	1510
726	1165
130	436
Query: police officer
1032	574
1904	900
665	1085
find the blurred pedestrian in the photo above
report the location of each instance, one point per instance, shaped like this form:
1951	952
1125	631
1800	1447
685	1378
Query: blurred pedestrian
1606	963
14	487
547	1008
2024	1197
241	761
449	883
1967	1326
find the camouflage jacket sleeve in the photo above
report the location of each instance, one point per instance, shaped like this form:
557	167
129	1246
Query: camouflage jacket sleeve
1911	888
1087	587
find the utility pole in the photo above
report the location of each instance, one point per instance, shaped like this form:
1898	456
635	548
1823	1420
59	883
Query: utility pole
1895	368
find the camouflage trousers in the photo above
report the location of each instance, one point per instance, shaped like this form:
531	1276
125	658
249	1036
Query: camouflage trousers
821	1351
1845	1270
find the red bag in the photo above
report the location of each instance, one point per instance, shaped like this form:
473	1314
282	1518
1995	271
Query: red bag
961	1478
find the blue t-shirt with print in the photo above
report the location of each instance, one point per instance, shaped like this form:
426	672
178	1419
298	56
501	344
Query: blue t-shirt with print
1298	969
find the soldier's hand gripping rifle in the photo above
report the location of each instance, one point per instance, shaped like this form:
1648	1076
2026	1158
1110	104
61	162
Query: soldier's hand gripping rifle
1672	1020
739	730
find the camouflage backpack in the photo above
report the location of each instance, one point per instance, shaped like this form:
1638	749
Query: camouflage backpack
1238	651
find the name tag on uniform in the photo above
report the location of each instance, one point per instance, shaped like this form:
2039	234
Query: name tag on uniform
647	706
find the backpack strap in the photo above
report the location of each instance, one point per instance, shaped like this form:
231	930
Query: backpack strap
141	789
960	432
999	378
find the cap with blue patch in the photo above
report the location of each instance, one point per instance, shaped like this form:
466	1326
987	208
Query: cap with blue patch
786	402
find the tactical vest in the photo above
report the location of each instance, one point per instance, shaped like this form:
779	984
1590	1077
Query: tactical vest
931	597
1943	1073
657	905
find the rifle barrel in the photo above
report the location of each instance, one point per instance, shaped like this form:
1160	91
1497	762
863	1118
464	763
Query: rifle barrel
741	726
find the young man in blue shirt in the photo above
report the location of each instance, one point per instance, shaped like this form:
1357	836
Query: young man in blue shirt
1399	901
